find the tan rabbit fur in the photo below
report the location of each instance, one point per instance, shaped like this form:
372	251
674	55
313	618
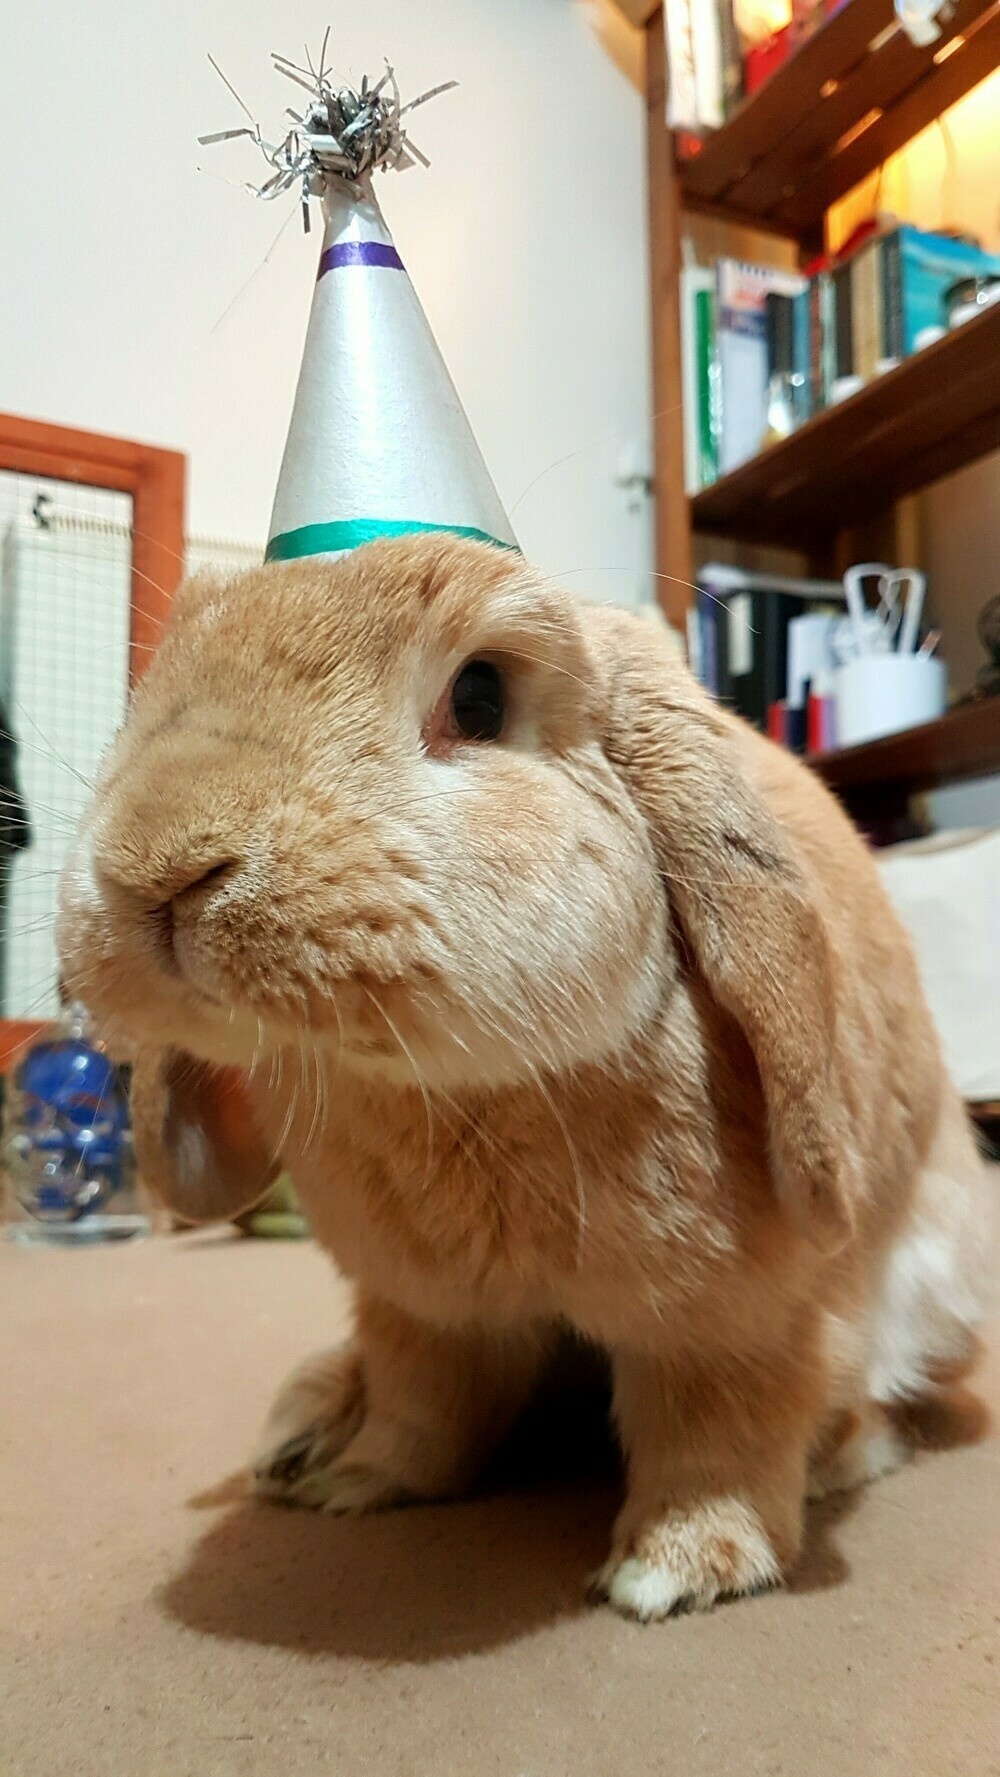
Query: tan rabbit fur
603	1026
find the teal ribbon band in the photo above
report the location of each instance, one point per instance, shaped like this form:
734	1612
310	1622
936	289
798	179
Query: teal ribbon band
351	533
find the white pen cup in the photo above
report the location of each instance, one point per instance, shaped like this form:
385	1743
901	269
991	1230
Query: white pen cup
884	693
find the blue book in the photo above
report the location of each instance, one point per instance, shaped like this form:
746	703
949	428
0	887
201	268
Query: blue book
709	643
918	269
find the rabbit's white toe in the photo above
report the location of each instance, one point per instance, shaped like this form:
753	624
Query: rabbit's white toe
689	1561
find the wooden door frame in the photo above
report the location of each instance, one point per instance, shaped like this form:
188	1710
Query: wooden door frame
156	480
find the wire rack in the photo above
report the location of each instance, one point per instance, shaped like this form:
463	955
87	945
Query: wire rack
65	614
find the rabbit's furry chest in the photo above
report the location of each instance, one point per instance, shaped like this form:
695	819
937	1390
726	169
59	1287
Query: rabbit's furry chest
602	1202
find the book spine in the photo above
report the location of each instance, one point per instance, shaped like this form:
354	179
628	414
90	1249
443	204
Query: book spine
865	306
780	342
817	385
723	676
715	394
705	354
843	356
689	376
709	648
752	699
892	296
706	37
693	628
776	723
878	304
828	333
682	91
780	613
802	356
732	57
741	333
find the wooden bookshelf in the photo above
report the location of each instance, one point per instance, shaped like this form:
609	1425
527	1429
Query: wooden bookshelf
963	744
850	95
937	411
843	102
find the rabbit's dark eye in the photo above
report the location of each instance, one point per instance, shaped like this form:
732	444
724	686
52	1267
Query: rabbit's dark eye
477	701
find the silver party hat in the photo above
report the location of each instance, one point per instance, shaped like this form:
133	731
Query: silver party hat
379	443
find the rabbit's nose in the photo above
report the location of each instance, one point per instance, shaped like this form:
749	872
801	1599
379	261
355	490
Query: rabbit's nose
167	899
204	882
157	881
179	915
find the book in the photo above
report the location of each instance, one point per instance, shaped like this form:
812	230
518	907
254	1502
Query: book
843	322
780	317
742	352
732	57
713	644
918	270
810	652
821	333
776	725
892	298
802	404
789	386
697	285
750	624
682	89
708	639
769	615
708	387
867	347
706	38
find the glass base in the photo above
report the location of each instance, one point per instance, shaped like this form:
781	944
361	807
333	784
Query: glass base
88	1231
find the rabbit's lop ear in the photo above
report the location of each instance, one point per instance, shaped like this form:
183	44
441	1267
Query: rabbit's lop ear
195	1141
746	911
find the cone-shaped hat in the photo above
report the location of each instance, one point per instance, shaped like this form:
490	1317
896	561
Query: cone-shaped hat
379	443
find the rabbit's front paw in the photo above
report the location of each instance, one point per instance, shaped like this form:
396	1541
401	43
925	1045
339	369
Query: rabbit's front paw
688	1560
314	1417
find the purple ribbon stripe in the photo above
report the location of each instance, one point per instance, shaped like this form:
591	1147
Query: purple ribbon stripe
359	253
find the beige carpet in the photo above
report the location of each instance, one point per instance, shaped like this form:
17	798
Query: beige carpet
157	1624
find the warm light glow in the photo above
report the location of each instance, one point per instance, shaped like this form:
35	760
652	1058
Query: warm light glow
927	184
949	49
883	38
863	124
756	20
828	89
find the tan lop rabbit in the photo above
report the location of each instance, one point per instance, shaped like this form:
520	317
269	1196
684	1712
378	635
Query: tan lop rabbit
573	1005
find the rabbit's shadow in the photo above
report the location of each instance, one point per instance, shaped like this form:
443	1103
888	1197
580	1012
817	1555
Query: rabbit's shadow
433	1582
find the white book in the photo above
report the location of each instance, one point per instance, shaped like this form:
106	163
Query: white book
682	88
741	344
706	37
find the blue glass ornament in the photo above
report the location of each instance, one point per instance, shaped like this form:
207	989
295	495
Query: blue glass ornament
68	1141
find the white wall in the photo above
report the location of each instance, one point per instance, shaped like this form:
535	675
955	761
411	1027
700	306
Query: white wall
526	240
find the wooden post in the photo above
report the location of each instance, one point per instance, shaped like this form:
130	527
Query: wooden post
673	512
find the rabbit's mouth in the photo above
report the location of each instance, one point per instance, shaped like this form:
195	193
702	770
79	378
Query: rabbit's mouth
213	970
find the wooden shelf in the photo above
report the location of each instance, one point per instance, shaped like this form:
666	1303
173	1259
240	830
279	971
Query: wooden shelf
937	411
961	745
855	91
